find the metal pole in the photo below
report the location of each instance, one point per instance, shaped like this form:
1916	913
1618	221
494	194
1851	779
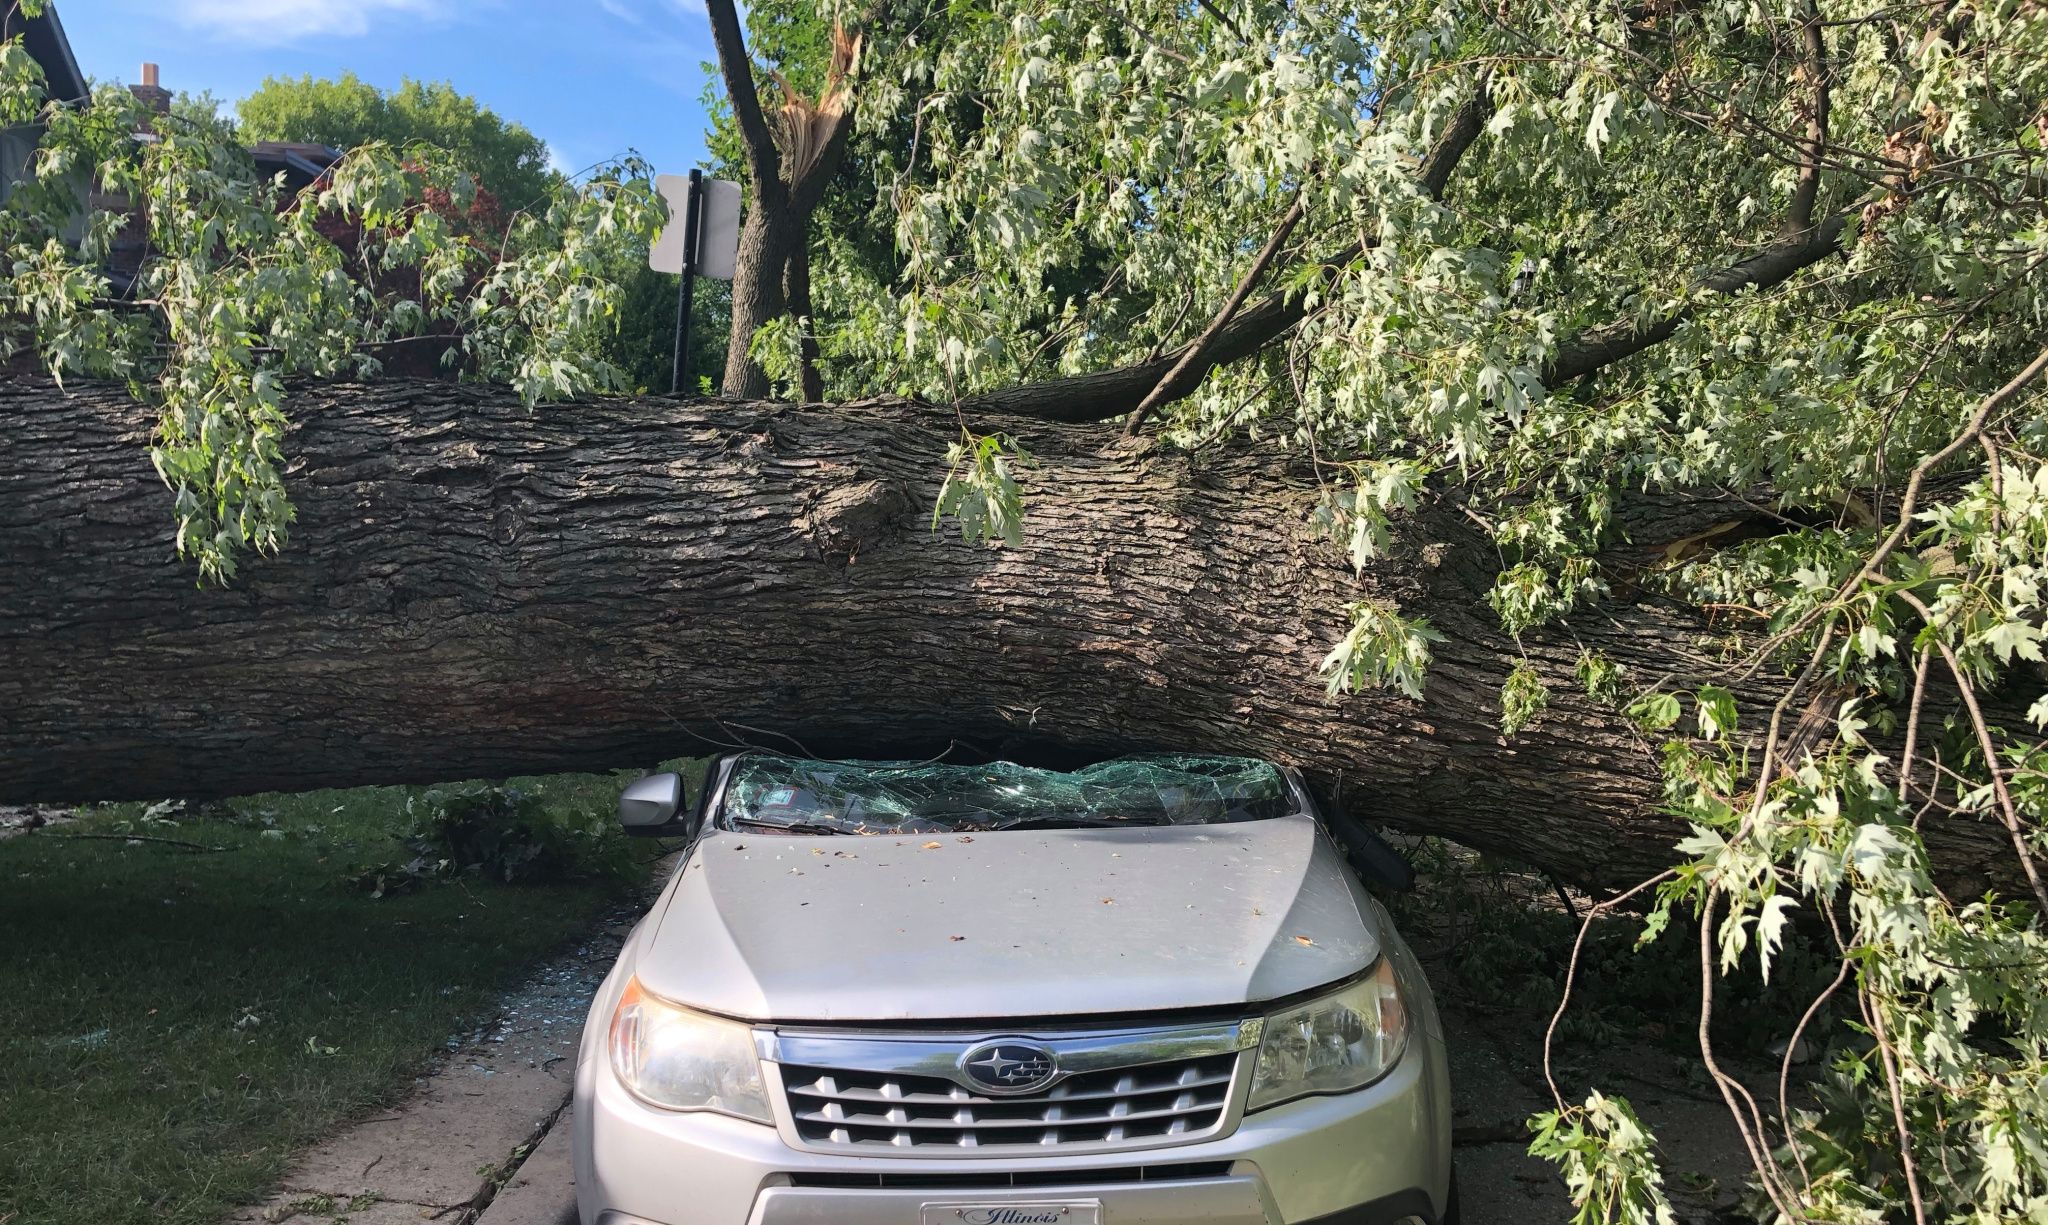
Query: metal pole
690	212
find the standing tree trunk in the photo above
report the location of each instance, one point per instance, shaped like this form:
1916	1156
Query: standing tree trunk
766	240
789	164
475	590
796	284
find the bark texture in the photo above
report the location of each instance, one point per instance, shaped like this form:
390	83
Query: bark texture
768	237
796	292
473	589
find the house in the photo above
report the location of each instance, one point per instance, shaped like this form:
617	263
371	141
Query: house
43	38
302	165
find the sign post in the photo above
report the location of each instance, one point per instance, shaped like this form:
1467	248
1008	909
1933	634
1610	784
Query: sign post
705	244
691	212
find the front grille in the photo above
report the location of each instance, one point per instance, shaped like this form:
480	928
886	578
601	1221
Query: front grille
1146	1104
1188	1171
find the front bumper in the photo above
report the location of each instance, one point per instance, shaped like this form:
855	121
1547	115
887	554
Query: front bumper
1375	1157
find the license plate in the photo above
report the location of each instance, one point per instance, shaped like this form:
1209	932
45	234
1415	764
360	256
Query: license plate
1043	1212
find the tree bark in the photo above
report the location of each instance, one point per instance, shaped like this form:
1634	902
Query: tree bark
796	292
767	237
473	589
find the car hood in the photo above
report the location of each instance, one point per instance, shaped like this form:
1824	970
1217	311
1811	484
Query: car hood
1017	923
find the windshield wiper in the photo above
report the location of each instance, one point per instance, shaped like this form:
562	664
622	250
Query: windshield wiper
1060	821
985	825
793	827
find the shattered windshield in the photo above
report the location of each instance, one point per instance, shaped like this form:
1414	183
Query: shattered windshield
886	797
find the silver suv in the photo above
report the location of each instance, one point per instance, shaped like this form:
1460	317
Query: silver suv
1149	992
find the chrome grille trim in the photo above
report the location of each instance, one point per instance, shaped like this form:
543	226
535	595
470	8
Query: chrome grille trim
1052	1179
903	1095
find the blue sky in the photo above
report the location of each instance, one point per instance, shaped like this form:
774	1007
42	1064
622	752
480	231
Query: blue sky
593	78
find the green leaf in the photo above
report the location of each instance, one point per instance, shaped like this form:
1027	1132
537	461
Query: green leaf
1656	711
1770	929
980	491
1598	132
2013	638
1716	712
1381	649
1522	698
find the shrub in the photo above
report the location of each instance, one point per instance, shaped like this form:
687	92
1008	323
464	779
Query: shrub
504	833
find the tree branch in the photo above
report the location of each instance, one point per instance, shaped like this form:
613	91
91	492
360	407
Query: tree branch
1458	136
2008	813
815	134
1601	346
1110	393
1224	20
1192	354
1972	431
764	160
1097	396
809	190
1814	63
180	843
1104	394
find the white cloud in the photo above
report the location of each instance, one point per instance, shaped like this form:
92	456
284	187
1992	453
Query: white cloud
557	162
634	12
283	21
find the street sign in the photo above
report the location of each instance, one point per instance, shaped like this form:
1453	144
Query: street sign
718	226
702	238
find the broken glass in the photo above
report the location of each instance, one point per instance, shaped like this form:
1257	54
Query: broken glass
768	790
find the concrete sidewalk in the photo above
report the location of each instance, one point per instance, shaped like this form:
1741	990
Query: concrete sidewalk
543	1192
483	1139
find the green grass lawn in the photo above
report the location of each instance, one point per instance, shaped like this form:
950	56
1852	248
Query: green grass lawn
134	1087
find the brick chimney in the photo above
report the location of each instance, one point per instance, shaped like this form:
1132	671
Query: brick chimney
153	95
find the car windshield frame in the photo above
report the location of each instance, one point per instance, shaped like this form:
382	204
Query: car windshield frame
771	792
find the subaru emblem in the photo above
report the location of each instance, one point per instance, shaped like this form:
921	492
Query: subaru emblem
1009	1066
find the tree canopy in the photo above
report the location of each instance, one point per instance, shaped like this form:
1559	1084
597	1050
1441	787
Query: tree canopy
347	111
1535	266
1540	261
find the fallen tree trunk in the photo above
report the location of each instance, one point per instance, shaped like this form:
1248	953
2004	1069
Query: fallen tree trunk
473	589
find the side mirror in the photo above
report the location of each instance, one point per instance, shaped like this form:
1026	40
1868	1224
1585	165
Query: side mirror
1371	856
653	806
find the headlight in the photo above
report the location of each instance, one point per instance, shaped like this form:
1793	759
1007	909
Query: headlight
1336	1044
681	1060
